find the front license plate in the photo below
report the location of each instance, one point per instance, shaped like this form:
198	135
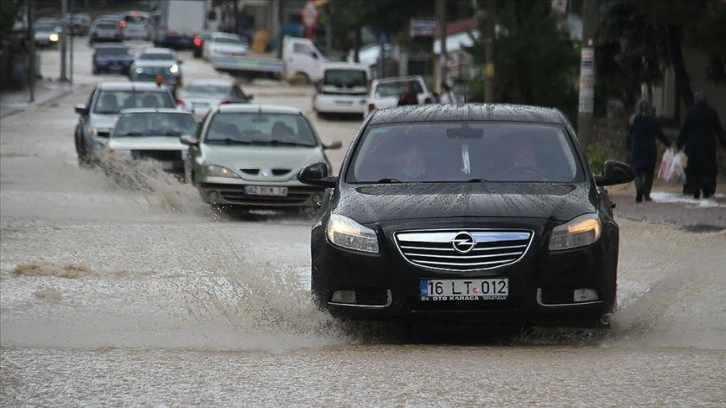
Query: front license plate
266	191
464	289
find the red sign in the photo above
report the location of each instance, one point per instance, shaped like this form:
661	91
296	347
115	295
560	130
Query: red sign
309	15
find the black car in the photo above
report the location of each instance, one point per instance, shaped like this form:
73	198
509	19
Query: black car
473	211
111	57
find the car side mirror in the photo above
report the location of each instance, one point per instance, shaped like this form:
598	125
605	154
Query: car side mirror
615	172
81	109
316	174
188	140
333	145
250	97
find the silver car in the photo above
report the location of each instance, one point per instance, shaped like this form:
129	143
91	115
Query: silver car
202	95
148	135
248	156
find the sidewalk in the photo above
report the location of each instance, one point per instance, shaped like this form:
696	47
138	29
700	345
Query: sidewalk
670	206
46	90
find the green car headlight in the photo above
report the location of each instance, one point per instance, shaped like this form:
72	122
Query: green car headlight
219	171
346	233
580	231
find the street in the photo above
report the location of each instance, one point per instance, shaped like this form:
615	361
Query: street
114	297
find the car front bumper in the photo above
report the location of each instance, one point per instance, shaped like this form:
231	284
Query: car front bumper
541	285
339	104
297	195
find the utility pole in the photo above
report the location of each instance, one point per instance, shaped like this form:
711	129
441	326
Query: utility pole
64	24
441	12
587	72
30	7
491	21
73	10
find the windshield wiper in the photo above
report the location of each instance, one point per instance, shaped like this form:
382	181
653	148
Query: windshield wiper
477	180
131	134
279	142
227	141
387	180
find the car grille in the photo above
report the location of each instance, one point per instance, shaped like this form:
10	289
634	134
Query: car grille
256	171
160	155
232	193
459	250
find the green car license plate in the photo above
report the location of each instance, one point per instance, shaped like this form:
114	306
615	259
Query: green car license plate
439	290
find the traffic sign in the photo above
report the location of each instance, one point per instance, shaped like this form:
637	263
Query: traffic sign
309	14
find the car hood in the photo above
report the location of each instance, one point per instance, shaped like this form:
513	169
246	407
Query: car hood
154	63
146	143
103	121
235	157
387	202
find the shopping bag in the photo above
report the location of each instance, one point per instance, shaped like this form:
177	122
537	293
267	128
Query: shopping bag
665	164
677	171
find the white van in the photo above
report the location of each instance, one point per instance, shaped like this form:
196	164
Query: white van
342	89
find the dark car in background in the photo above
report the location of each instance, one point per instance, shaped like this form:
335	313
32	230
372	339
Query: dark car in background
78	23
198	43
97	117
47	32
111	57
156	72
488	213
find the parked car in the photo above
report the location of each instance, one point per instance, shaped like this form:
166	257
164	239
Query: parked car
79	23
343	89
478	211
198	43
247	156
47	32
224	45
154	56
202	95
384	92
98	116
105	29
111	57
150	134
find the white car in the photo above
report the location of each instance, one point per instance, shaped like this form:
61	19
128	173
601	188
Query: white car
201	95
224	45
384	92
149	134
343	89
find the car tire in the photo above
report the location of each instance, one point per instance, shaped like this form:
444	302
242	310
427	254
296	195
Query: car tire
84	159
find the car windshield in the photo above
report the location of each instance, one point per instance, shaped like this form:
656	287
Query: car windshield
260	128
228	40
46	26
106	26
156	56
208	89
113	101
135	124
345	78
111	51
464	152
384	89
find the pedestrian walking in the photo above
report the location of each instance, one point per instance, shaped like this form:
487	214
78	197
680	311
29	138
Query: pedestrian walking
699	135
447	94
408	96
644	129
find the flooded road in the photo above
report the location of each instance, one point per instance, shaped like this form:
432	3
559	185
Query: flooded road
112	297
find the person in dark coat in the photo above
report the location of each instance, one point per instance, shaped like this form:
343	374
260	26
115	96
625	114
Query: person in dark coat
408	96
644	129
699	134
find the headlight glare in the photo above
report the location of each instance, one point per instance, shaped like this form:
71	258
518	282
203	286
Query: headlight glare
53	37
580	231
219	171
174	69
345	232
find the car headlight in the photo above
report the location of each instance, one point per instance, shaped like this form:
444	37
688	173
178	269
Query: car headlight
580	231
53	37
344	232
174	69
219	171
121	155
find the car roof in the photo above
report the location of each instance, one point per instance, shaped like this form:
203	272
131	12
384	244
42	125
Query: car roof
156	110
157	50
223	82
219	34
130	86
468	112
250	108
398	79
111	45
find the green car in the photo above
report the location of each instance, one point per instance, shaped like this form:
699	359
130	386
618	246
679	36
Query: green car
248	156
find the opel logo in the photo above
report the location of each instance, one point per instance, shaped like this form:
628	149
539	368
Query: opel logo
463	242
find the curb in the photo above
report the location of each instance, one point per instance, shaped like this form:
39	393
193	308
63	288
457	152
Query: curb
8	112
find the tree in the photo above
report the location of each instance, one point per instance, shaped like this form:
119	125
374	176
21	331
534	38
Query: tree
9	12
536	63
